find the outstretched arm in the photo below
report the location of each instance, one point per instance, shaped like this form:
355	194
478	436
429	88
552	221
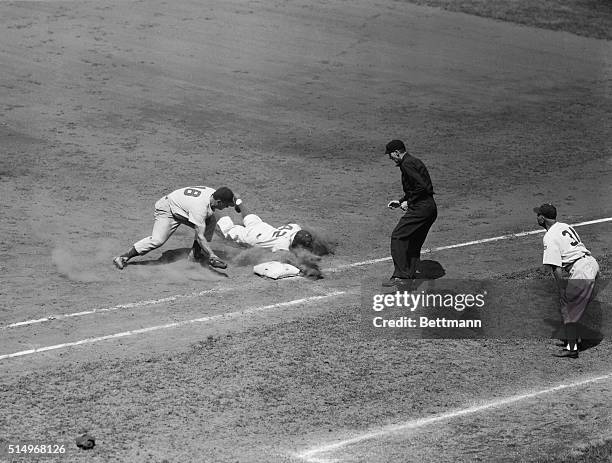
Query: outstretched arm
200	238
211	224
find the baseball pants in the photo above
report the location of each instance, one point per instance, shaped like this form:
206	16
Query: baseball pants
246	234
579	290
164	226
409	234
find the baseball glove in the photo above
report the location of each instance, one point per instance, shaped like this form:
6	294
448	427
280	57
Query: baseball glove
85	442
215	262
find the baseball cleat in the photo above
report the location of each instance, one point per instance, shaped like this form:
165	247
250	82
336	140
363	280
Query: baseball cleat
216	263
568	353
120	262
395	281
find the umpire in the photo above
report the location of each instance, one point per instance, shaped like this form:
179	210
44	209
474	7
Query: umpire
420	213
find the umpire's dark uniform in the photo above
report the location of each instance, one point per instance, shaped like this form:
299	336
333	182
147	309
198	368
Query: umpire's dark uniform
410	233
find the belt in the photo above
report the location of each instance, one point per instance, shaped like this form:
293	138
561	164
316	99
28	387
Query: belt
570	265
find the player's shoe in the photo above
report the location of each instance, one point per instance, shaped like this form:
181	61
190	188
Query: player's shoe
120	262
395	281
569	352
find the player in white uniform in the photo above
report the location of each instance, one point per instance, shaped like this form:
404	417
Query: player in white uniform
564	251
193	206
287	240
257	233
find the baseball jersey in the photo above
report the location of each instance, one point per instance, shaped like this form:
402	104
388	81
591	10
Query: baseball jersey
280	238
191	204
264	235
562	245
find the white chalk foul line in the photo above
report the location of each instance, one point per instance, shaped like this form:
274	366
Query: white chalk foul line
130	305
310	455
223	316
462	245
328	270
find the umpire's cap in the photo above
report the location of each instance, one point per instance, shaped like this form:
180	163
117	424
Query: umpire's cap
547	210
302	238
395	145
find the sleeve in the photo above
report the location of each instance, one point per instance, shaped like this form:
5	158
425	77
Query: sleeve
552	253
197	219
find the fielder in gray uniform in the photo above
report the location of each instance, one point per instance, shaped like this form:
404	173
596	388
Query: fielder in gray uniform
565	254
193	206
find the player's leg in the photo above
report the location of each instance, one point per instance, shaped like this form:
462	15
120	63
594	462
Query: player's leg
399	248
251	221
163	227
580	287
257	231
231	231
408	237
578	294
415	243
571	335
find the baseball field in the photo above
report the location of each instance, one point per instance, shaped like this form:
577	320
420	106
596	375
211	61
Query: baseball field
109	105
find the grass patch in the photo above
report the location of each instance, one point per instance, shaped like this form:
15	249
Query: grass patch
595	452
588	18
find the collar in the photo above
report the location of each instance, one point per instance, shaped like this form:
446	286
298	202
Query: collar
402	160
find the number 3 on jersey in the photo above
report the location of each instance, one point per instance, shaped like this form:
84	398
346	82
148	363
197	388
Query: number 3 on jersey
572	235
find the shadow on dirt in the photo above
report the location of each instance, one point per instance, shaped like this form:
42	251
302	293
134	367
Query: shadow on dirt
179	255
167	257
430	270
174	255
590	337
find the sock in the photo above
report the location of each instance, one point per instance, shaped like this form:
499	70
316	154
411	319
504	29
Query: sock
131	253
572	336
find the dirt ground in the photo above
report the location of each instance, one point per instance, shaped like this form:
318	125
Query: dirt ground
109	105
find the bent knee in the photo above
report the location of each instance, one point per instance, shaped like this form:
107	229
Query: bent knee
156	243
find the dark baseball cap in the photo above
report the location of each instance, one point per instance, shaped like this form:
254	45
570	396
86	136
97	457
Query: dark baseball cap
224	194
302	238
547	210
395	145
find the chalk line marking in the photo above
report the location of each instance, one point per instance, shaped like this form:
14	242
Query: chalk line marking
462	245
310	454
223	316
130	305
339	268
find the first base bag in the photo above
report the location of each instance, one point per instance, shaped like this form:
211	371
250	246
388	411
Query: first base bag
276	270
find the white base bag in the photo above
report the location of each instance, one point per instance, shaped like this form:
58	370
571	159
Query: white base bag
276	270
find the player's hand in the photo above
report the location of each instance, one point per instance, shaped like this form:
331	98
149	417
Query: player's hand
237	203
404	205
215	262
393	204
